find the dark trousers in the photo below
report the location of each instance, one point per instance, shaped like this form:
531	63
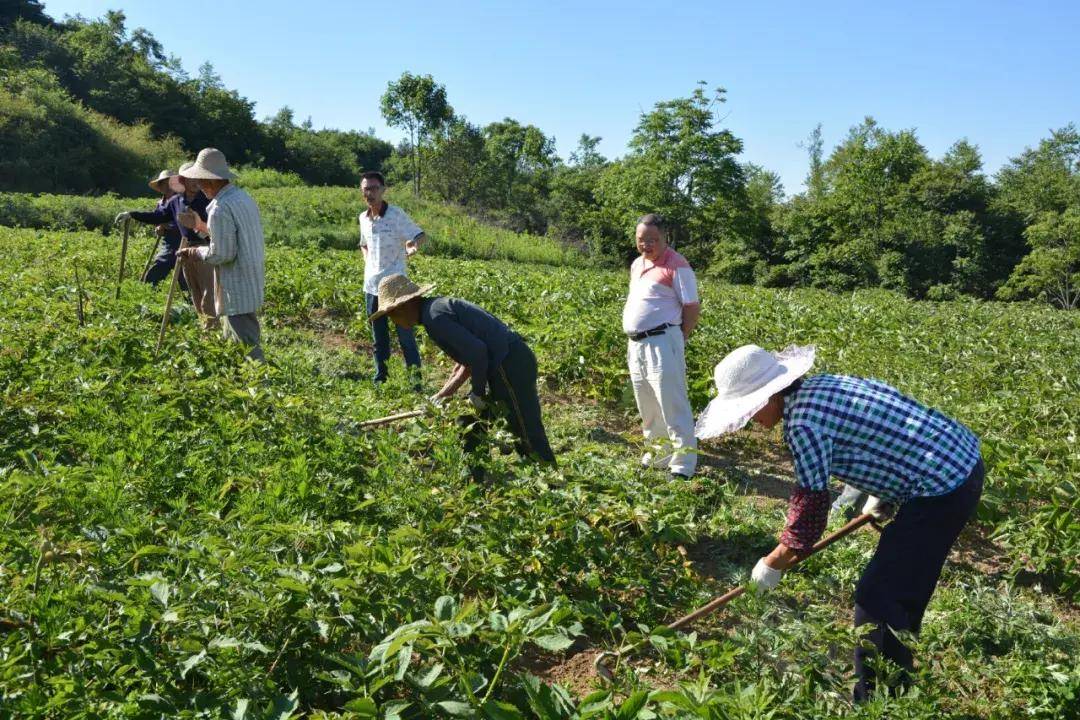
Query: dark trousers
900	578
512	393
163	263
380	330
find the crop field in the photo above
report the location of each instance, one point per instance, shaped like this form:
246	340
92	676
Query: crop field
193	536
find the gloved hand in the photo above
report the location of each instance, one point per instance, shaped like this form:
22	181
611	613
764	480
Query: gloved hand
122	216
477	402
877	507
764	577
436	400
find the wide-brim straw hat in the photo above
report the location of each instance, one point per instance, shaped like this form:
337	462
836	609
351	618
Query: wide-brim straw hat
745	380
158	183
396	290
209	165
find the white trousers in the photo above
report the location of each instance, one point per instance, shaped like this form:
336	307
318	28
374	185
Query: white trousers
658	373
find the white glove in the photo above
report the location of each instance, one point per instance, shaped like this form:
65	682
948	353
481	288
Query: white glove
437	400
477	402
122	217
765	577
877	507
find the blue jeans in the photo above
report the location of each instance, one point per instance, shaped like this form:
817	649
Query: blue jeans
380	330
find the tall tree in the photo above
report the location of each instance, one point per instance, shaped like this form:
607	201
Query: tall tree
417	104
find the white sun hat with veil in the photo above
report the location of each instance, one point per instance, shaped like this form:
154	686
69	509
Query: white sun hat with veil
745	380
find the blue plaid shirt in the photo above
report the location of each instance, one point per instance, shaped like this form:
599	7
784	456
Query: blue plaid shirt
874	438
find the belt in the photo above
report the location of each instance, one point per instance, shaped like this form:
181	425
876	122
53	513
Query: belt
659	330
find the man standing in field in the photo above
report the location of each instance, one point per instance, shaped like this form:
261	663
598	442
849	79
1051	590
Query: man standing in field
387	237
878	441
235	250
661	311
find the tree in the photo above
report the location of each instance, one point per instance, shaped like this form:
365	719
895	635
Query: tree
683	166
418	104
517	156
1042	186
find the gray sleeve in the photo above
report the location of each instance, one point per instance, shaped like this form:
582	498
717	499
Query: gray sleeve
464	347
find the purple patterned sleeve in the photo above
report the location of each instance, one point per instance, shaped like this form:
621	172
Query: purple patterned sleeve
808	514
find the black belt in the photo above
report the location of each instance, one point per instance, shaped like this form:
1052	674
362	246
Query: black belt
659	330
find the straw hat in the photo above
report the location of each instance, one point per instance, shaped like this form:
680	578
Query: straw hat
396	290
209	165
745	380
158	183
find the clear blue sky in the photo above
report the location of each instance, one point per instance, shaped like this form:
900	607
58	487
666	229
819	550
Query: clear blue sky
998	73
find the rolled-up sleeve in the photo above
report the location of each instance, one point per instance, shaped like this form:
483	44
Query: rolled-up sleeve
464	347
222	247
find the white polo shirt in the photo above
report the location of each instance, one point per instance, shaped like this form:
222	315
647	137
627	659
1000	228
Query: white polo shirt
658	292
385	238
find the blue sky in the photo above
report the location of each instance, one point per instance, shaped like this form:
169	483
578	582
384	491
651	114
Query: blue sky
1001	74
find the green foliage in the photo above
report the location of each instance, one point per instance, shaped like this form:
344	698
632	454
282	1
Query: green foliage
418	104
191	535
1042	187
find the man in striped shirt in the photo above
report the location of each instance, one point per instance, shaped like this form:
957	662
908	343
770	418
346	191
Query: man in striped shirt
235	250
883	443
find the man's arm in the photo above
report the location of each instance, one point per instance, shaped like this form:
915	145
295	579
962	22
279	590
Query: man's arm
464	347
690	315
222	247
456	380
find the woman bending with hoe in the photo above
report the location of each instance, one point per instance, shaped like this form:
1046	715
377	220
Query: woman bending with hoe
500	364
878	441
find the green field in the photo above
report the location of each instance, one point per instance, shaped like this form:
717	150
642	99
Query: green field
191	536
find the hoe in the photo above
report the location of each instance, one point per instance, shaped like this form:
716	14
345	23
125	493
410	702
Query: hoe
603	662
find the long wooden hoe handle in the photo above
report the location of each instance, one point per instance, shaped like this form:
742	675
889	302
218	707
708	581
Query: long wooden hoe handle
730	595
600	663
168	300
150	259
389	419
123	256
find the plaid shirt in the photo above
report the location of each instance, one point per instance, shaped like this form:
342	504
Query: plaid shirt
873	438
236	252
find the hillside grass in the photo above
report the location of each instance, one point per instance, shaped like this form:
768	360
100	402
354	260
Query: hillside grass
319	217
189	535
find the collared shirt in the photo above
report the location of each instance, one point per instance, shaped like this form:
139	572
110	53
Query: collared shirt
658	292
168	212
236	251
873	438
469	334
385	238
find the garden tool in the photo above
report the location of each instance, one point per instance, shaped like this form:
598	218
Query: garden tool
389	419
123	255
601	664
168	300
150	258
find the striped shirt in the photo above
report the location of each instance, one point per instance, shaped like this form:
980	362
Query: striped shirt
873	438
236	252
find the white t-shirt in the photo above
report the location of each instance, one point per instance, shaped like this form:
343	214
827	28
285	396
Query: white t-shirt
385	238
658	292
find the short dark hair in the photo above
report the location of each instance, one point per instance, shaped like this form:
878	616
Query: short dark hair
654	219
374	175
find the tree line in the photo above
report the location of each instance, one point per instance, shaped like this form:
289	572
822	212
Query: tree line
877	210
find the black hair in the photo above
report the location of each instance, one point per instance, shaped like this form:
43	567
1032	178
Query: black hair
374	175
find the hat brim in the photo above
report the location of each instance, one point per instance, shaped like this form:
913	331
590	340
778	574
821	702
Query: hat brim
381	312
197	173
158	185
726	415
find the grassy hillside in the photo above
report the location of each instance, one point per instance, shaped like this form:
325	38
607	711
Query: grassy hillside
323	217
188	536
